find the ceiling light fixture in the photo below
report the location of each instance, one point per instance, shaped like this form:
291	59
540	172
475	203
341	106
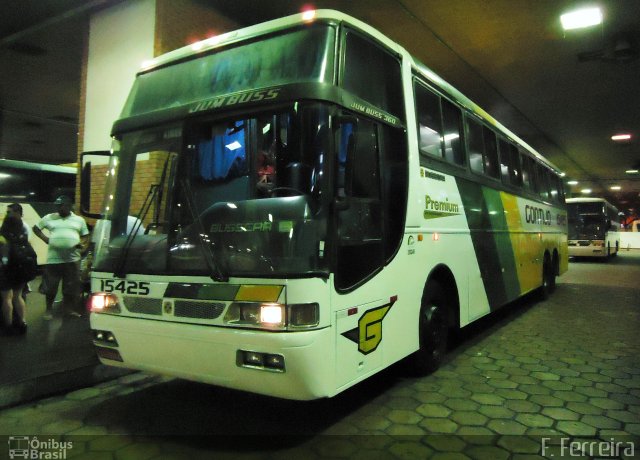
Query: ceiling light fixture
581	18
631	171
615	187
621	137
572	182
585	190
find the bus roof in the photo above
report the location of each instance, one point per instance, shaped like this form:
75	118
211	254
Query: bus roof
207	45
18	164
589	200
585	200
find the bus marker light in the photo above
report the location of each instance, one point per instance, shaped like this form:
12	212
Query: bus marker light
435	237
420	237
352	311
308	15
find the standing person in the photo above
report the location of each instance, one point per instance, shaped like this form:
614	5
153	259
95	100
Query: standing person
68	236
18	267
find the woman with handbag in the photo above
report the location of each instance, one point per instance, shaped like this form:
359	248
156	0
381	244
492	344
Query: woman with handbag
19	266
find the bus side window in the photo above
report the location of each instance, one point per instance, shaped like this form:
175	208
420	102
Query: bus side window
543	184
515	169
452	122
504	161
429	124
476	146
554	189
490	153
526	172
372	73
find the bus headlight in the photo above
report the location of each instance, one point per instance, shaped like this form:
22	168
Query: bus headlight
102	302
304	315
268	315
273	315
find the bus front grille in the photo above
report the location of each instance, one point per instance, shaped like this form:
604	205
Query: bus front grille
198	309
143	305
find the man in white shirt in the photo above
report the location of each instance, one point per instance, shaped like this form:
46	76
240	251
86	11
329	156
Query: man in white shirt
68	237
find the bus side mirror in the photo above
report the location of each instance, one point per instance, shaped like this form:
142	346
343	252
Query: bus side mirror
93	169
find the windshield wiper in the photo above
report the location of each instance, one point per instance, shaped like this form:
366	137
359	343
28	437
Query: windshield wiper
155	192
121	264
216	271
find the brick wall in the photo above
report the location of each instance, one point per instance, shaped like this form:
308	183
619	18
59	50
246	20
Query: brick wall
178	23
182	22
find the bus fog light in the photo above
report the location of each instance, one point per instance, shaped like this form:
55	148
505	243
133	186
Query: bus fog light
252	358
260	361
304	315
105	338
274	362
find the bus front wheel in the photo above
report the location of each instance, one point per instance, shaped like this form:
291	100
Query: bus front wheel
433	330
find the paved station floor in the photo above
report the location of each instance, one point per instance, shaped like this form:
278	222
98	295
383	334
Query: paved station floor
53	354
559	378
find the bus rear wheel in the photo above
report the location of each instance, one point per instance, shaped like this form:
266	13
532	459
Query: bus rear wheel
548	278
433	331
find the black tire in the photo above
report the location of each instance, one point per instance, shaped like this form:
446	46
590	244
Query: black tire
433	331
548	279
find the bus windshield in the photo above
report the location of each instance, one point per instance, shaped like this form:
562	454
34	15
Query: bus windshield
232	197
586	221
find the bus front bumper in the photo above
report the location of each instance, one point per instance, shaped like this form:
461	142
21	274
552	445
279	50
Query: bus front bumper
292	365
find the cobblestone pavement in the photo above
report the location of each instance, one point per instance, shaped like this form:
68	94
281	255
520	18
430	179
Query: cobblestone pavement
566	370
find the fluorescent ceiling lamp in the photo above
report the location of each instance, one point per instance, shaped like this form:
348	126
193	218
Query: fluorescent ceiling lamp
573	182
621	137
631	171
581	18
615	187
585	190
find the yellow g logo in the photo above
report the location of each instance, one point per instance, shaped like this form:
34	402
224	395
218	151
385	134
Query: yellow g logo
368	334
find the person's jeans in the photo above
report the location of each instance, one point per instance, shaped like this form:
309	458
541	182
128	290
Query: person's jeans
69	273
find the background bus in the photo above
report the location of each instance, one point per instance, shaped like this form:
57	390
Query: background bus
317	205
35	186
594	227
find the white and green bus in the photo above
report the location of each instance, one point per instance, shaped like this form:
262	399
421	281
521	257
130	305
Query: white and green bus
594	228
317	205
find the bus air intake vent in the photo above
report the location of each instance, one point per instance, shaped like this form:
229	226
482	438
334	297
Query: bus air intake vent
143	305
198	309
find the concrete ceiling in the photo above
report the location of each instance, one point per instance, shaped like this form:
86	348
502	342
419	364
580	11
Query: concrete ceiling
566	94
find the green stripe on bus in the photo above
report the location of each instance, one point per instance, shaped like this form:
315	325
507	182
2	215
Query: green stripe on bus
491	241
